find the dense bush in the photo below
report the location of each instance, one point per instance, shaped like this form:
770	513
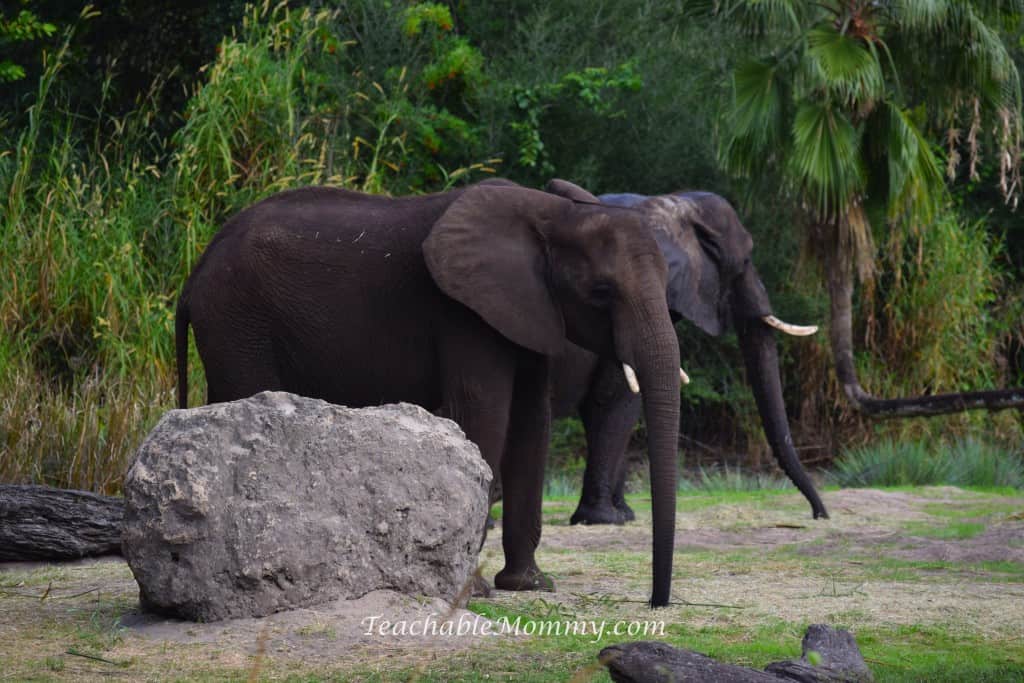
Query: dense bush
112	187
968	462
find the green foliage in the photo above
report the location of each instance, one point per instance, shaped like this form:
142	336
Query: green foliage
102	226
915	463
731	479
420	15
844	108
246	130
114	179
936	315
23	27
593	90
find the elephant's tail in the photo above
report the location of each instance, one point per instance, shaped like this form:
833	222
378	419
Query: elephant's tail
181	322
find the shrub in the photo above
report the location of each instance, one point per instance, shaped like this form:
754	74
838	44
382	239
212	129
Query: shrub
967	462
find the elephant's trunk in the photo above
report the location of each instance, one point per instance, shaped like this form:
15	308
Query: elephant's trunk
651	347
761	356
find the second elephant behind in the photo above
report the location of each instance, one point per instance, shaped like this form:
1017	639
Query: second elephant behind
711	279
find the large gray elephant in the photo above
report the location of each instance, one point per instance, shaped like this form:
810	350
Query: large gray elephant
711	281
455	301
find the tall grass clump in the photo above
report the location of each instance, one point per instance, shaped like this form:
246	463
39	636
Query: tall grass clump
102	220
246	130
83	300
727	478
967	462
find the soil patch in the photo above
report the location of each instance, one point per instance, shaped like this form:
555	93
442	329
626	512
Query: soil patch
382	626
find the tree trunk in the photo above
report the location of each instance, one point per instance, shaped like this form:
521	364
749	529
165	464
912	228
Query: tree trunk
839	278
43	523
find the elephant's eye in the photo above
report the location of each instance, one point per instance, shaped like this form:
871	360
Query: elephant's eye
601	293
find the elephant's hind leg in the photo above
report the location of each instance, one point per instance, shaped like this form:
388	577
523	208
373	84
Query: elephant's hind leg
609	412
245	367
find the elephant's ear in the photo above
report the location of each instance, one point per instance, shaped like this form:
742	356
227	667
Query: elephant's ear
706	249
487	251
563	188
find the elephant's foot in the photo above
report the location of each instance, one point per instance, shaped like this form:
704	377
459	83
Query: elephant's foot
627	512
599	513
531	579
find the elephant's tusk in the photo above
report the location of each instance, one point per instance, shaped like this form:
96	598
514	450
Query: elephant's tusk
795	330
634	386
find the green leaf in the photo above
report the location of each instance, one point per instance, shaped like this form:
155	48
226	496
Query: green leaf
922	14
825	160
847	69
757	118
766	17
915	177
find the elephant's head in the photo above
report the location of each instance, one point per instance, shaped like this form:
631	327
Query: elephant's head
712	279
539	268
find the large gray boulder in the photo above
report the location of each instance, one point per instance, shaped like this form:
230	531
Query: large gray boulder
277	501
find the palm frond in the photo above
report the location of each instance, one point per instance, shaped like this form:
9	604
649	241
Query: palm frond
825	160
850	71
916	185
918	15
761	18
994	10
758	90
756	122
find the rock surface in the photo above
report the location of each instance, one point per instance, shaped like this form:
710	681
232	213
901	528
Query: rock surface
273	502
837	660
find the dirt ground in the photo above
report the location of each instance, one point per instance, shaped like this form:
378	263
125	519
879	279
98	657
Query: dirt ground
931	556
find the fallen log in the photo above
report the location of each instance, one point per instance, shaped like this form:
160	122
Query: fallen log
44	523
829	656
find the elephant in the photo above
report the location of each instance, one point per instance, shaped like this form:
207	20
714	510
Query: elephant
711	279
454	301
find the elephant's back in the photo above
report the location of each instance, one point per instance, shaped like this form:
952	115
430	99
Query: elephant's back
624	199
342	217
331	276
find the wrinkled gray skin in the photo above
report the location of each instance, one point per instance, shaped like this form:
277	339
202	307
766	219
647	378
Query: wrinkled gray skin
711	279
455	302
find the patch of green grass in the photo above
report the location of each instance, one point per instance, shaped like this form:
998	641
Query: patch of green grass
897	569
971	510
558	508
952	531
732	479
318	631
894	654
934	653
43	577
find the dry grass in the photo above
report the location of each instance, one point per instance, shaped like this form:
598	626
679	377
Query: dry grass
748	577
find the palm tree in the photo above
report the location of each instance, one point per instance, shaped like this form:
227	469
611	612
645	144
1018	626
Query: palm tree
840	106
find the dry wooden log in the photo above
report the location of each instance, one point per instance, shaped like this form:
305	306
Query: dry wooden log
829	656
654	662
44	523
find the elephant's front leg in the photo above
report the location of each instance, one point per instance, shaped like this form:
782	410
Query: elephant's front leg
522	476
609	412
478	368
